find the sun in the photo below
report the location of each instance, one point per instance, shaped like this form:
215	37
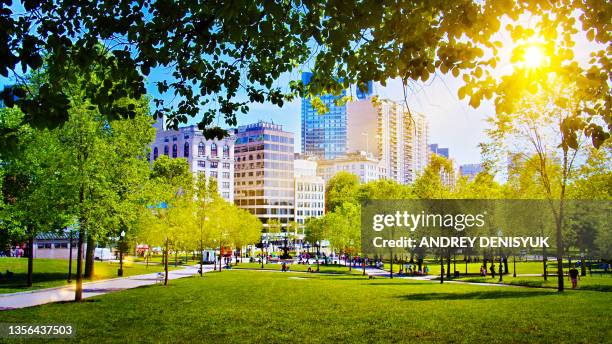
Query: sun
533	57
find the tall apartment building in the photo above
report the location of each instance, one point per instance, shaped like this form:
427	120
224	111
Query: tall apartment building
323	135
365	166
386	130
309	191
206	158
263	178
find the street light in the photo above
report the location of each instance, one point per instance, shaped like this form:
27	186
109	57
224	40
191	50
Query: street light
318	254
120	271
307	245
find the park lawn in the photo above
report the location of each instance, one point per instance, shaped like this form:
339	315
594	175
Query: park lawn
255	306
596	282
54	272
329	269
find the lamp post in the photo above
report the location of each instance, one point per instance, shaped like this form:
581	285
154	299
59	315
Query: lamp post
308	250
318	254
120	271
263	245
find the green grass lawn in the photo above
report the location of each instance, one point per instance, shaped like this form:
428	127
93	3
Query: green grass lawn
253	306
595	282
54	272
330	269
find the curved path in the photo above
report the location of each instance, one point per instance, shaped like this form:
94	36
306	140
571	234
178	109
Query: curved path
66	293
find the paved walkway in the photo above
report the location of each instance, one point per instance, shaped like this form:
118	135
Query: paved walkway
90	289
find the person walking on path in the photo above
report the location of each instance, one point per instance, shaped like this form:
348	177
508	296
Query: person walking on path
501	270
574	277
492	270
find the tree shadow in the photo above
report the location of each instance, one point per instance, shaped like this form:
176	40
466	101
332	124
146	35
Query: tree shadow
18	280
482	295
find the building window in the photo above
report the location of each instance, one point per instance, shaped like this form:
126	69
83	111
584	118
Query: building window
226	174
226	150
201	149
226	195
186	150
214	164
174	151
213	150
202	163
226	185
166	150
213	174
226	165
155	153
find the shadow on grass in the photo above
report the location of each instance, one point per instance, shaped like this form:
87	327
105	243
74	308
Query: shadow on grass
18	280
483	295
597	287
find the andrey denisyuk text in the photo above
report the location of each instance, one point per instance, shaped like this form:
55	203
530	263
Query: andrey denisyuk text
461	242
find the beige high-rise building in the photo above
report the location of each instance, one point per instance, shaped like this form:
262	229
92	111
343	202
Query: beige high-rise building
387	131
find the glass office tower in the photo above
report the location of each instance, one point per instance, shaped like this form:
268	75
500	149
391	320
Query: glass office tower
323	135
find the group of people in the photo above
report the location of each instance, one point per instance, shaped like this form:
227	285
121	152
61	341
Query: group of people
16	252
483	270
414	270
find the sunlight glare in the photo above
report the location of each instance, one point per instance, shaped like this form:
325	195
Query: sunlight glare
533	57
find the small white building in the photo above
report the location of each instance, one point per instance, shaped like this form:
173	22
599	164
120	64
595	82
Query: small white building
309	191
365	166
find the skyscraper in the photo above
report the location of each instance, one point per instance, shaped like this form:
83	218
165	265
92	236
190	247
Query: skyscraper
323	135
264	180
390	133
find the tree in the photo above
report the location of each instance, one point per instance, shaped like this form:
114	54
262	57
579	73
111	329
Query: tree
349	42
342	228
246	229
225	49
206	192
343	187
539	128
429	185
314	230
170	193
32	185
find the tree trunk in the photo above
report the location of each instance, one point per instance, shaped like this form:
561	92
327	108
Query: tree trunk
166	264
30	259
559	237
78	294
448	263
89	257
505	258
544	262
70	259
